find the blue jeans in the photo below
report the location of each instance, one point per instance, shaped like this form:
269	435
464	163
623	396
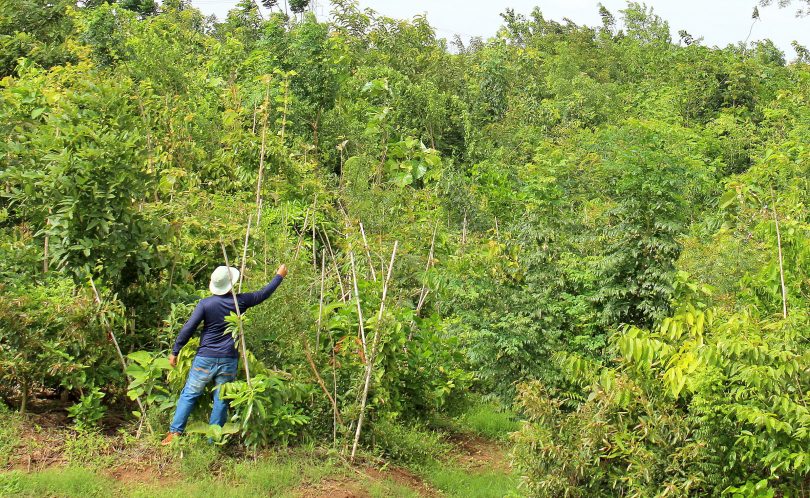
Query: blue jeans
203	370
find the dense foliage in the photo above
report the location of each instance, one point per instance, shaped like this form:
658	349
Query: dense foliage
606	227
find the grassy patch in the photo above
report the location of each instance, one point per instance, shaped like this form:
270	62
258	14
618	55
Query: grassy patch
388	488
487	420
89	449
9	433
282	472
412	444
62	482
461	483
276	474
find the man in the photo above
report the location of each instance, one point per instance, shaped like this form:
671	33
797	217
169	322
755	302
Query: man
217	358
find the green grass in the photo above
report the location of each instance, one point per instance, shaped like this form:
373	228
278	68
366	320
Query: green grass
281	473
388	488
487	420
274	475
410	444
461	483
62	482
9	433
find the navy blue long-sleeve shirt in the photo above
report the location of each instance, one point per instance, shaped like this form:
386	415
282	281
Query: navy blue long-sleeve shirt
215	342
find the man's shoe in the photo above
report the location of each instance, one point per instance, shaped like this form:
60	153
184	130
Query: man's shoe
169	438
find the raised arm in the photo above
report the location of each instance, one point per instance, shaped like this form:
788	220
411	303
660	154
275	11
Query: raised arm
188	329
253	298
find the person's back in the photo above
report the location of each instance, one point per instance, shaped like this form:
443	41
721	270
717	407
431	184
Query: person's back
215	342
217	358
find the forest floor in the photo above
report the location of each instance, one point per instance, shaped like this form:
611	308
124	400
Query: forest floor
40	455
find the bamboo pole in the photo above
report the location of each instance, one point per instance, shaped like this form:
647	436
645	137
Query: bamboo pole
123	363
370	364
314	261
242	345
464	229
244	254
781	264
424	292
368	252
301	235
337	270
264	143
320	305
335	412
359	308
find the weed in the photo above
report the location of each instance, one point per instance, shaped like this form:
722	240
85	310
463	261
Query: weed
88	448
387	488
459	483
277	473
9	433
62	482
198	457
488	420
88	411
411	444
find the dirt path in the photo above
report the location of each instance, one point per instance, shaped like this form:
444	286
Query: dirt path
477	453
45	444
471	453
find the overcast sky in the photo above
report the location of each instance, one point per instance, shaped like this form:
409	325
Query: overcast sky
720	22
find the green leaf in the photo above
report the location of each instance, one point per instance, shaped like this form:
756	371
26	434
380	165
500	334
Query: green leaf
197	428
419	170
162	363
141	357
728	198
402	180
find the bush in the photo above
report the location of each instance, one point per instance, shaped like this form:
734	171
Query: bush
88	411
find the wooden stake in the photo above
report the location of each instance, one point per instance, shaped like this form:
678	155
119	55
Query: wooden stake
301	235
314	261
424	292
45	257
320	306
335	412
464	229
244	254
264	143
781	267
242	345
368	253
337	270
359	308
370	364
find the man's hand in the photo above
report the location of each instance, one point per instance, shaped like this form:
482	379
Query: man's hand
282	270
172	360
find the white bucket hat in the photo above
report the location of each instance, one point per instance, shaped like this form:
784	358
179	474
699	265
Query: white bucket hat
222	280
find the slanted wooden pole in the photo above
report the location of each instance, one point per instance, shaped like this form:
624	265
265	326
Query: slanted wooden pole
244	254
781	264
368	253
242	345
334	261
370	364
424	292
320	305
359	308
264	142
337	419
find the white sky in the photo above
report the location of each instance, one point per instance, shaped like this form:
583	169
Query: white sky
720	22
